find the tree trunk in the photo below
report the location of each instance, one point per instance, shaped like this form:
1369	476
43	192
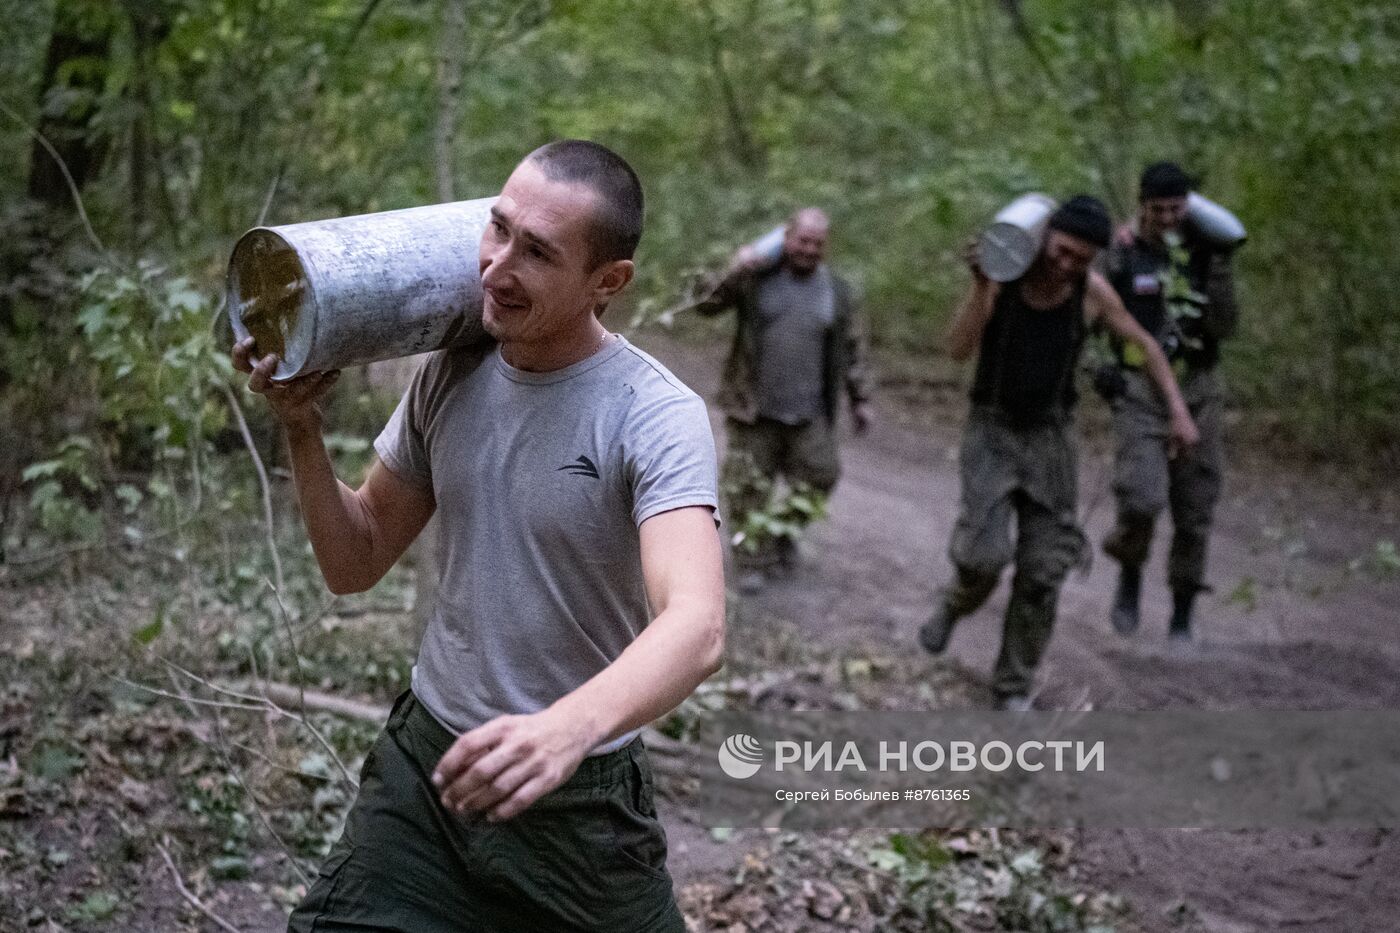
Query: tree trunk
452	39
140	145
75	67
746	147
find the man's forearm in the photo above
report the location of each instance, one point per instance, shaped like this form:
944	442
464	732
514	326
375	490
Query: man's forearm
1161	372
721	293
674	654
971	320
334	518
858	368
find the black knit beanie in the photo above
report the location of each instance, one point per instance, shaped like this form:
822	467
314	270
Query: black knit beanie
1164	180
1086	218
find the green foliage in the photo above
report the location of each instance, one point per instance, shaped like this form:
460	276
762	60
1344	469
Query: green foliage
973	879
911	123
1382	563
144	369
783	519
96	907
1245	594
155	359
58	487
55	762
216	801
151	630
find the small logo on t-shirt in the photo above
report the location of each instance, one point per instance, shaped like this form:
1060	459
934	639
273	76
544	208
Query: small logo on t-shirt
580	467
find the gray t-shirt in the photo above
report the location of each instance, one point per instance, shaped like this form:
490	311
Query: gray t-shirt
795	312
542	481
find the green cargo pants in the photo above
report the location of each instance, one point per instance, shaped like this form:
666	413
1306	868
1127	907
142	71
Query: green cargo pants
590	855
1145	481
758	455
1029	473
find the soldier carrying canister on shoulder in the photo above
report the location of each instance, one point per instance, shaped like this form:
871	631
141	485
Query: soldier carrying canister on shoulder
1178	284
1018	454
799	349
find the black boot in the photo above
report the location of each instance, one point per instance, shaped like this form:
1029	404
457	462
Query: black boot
1183	601
1125	614
934	633
787	559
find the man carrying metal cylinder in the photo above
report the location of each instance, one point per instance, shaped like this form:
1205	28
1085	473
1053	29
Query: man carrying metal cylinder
799	347
582	591
1018	455
1173	270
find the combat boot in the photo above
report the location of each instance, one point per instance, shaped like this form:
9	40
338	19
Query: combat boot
785	567
1127	600
1014	703
934	633
1183	601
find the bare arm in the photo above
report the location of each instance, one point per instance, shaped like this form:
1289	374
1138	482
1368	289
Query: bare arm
1103	304
858	378
357	535
970	322
965	333
507	764
684	644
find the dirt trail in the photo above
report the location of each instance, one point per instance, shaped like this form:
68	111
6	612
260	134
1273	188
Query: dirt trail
1288	626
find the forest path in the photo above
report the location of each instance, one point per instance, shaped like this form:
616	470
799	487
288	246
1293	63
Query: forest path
1290	625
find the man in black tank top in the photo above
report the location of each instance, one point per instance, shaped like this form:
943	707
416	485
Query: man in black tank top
1018	456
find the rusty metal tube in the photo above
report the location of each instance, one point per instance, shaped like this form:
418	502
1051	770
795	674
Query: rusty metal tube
350	290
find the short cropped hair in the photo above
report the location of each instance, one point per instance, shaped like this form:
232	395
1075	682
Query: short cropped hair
617	222
1164	180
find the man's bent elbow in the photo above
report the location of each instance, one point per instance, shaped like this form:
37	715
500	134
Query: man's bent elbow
340	587
347	584
713	655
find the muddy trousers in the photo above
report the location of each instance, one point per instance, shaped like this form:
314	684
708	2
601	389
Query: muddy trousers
759	454
1146	481
1029	475
589	855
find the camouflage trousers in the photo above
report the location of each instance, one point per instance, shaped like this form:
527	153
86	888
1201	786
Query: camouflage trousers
1146	481
764	451
1028	474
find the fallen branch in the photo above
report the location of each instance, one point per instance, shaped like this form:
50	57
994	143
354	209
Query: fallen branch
264	704
316	701
197	701
658	743
189	895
